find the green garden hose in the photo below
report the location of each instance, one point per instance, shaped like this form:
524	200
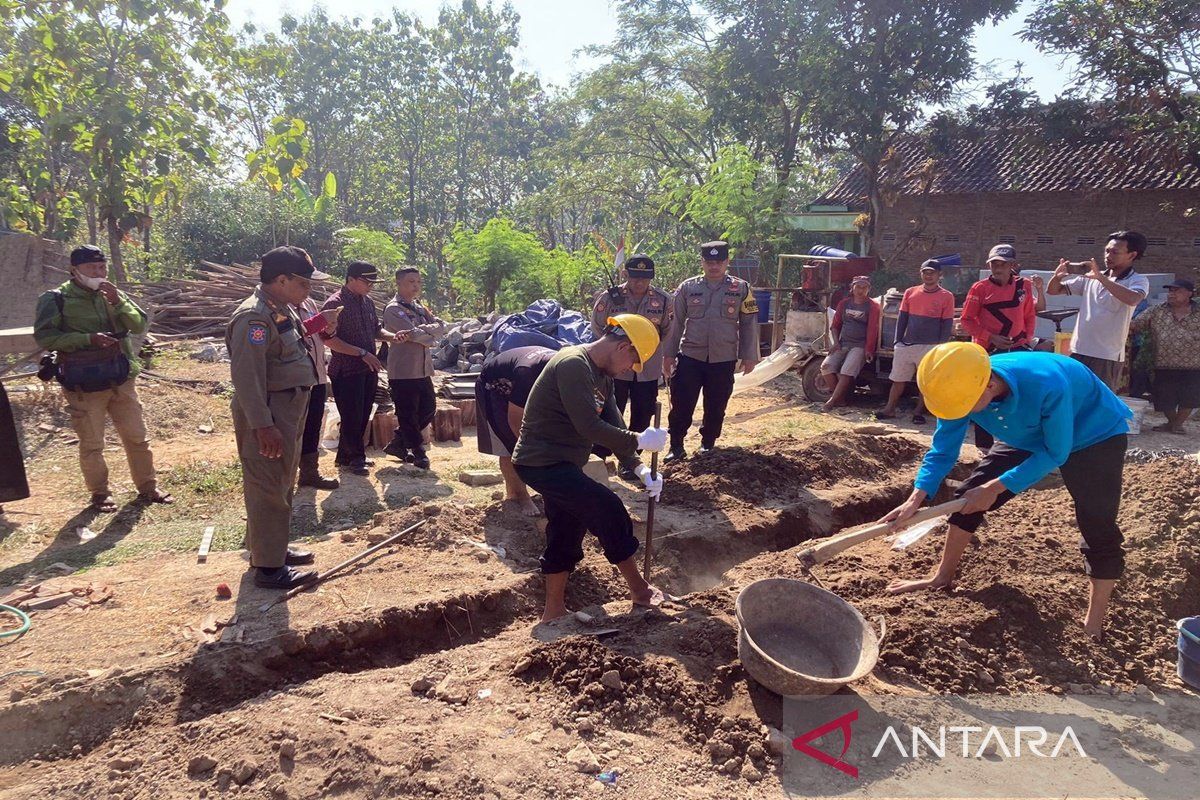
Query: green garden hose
21	615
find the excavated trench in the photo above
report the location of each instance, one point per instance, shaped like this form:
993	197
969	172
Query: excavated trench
785	496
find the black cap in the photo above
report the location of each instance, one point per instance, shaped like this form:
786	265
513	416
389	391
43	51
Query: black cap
361	269
288	260
714	251
404	269
639	266
1182	283
86	254
932	263
1002	252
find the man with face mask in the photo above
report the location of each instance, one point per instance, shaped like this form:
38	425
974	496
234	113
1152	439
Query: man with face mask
273	374
87	323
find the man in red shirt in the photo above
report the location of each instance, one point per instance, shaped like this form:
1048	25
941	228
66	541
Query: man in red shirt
926	319
999	311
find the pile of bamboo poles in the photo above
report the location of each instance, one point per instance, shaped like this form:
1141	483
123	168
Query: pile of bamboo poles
200	306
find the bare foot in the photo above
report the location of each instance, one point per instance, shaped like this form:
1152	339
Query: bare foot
652	597
525	505
903	587
551	614
1095	634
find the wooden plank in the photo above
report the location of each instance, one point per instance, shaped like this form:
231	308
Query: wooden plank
205	544
17	340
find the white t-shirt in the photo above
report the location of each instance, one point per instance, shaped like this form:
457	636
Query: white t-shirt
1103	323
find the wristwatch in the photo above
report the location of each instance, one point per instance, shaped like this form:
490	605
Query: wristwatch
362	353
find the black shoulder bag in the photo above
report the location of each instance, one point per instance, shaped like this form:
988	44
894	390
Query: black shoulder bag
93	369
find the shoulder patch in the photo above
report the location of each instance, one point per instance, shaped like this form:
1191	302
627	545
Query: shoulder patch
749	305
256	333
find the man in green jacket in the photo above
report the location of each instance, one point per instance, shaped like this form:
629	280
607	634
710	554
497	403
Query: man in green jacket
571	409
87	316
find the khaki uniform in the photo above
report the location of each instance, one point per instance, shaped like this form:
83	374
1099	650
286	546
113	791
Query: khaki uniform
715	323
272	375
413	358
654	305
715	326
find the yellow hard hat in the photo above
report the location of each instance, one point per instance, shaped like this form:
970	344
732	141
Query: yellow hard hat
642	334
952	377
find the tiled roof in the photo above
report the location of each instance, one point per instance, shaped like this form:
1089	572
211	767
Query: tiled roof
1013	163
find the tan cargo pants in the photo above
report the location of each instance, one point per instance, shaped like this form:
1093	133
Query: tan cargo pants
89	413
268	483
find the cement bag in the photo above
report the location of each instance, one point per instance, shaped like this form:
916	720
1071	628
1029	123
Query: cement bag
332	429
769	368
545	323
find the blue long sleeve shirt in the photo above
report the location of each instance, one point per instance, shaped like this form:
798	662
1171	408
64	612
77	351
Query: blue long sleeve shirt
1054	407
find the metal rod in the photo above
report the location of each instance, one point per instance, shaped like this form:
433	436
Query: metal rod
650	507
329	573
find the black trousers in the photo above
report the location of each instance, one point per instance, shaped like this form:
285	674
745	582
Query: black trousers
1093	477
576	504
691	375
640	396
416	405
354	395
310	440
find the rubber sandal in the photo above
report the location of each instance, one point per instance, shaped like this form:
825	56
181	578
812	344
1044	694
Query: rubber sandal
103	503
882	415
919	419
158	497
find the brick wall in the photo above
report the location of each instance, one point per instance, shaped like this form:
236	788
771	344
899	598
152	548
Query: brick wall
1047	226
27	268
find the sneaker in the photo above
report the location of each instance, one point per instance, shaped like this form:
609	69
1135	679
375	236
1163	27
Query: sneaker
707	447
419	459
282	577
357	468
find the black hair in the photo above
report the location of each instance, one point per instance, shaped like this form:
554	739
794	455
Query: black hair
1134	241
405	269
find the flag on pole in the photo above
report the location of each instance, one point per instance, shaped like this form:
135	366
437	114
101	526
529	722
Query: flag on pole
619	260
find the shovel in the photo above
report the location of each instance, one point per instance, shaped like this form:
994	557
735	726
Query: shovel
828	548
650	507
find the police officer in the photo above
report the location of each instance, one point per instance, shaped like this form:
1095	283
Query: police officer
636	296
273	373
716	324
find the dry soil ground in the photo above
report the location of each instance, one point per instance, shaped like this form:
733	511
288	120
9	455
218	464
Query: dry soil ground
423	674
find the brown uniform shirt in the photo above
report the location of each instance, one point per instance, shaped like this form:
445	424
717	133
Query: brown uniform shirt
266	354
413	358
654	305
714	323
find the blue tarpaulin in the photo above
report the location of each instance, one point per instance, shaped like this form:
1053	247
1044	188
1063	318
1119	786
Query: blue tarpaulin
544	324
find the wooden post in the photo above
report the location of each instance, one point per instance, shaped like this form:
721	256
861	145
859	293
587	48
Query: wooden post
447	424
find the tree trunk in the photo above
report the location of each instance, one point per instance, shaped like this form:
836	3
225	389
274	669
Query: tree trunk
93	226
875	199
115	261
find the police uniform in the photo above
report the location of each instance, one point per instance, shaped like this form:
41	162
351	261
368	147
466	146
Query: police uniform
639	390
272	373
715	326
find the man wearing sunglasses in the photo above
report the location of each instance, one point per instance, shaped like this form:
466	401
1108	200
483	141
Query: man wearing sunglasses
354	366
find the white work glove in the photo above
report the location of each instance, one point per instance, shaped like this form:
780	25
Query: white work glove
652	439
653	485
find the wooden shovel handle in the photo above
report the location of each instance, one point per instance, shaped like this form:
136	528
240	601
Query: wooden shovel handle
820	553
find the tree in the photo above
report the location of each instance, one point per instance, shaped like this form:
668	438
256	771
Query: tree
118	84
374	247
483	261
1141	58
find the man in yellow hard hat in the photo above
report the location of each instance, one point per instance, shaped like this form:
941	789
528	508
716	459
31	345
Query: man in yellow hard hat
571	409
1045	411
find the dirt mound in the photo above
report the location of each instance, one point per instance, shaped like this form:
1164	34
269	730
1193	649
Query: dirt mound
1011	623
778	470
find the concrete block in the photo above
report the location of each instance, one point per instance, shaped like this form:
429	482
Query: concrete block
480	477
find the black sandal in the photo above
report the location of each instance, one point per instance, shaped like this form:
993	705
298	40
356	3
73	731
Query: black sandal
158	497
103	503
